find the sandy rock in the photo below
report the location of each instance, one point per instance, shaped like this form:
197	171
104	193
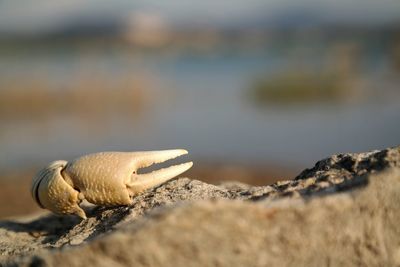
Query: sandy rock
342	212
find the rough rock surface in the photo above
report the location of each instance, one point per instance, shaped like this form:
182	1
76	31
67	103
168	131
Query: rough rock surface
341	212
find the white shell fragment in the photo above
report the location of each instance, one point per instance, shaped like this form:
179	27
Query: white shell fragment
106	178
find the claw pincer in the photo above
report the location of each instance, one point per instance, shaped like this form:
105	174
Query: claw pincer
106	178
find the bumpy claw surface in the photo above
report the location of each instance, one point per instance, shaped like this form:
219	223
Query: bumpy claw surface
106	178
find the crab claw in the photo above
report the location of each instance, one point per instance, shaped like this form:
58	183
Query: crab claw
148	158
141	182
106	178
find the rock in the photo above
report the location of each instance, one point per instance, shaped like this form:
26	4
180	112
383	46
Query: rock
343	211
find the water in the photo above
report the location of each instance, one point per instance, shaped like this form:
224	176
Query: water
199	103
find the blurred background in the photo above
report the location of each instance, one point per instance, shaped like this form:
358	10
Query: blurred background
256	90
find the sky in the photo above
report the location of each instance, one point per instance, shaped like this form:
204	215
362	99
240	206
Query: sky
36	16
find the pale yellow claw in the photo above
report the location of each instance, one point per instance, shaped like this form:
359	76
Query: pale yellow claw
106	178
141	182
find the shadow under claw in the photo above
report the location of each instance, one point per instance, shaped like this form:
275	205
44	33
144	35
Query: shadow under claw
51	227
50	224
100	221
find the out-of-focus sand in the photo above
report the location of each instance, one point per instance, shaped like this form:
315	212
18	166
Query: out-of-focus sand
16	200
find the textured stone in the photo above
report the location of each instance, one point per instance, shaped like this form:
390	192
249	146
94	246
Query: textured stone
341	212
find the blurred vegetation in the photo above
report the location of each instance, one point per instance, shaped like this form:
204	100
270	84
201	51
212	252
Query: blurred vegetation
332	80
299	87
89	96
